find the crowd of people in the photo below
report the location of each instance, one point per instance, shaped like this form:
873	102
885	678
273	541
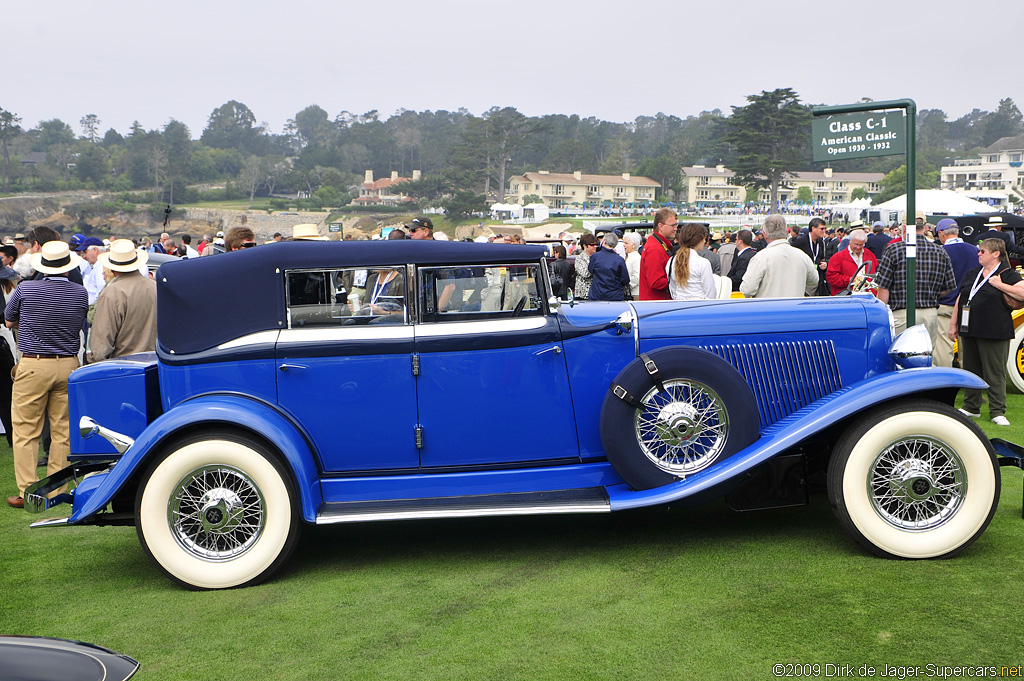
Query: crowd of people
963	292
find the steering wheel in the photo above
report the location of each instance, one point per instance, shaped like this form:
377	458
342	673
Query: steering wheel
860	282
519	307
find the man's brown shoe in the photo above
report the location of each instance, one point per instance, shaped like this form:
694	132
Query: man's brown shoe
16	502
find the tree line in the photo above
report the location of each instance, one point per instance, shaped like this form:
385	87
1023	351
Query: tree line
461	156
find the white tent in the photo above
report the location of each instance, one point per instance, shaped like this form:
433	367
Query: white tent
511	210
538	211
937	201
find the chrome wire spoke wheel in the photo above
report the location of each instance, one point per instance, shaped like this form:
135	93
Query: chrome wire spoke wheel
216	513
683	429
917	483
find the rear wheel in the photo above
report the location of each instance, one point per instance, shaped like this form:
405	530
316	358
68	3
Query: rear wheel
217	512
914	480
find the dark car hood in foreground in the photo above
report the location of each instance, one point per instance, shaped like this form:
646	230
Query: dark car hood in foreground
34	658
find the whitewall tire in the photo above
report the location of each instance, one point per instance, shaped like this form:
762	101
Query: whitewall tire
914	480
217	512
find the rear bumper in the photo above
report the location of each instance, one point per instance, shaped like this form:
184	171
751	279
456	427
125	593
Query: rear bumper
37	496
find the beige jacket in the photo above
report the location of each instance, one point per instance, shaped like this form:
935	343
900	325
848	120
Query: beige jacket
125	321
779	271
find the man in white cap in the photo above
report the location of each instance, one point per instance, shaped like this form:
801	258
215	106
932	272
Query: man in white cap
125	320
49	314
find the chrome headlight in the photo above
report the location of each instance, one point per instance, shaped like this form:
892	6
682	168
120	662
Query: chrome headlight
913	348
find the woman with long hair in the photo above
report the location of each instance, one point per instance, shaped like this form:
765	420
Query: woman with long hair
689	275
984	324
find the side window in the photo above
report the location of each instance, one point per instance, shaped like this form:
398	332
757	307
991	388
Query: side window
480	292
343	297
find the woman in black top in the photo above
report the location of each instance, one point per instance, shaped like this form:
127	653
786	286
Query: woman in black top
563	274
985	326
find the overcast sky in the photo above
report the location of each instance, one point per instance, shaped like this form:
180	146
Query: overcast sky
153	61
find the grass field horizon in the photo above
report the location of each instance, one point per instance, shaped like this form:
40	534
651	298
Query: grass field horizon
658	593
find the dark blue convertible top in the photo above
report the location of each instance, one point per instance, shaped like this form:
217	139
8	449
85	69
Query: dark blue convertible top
204	302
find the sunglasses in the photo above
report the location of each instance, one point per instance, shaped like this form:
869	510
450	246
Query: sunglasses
247	244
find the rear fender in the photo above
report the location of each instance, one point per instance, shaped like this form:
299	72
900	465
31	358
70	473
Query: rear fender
800	426
235	411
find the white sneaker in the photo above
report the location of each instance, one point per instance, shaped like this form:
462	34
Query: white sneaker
1000	421
970	414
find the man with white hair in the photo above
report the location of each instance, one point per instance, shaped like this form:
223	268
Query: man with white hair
631	242
779	270
846	263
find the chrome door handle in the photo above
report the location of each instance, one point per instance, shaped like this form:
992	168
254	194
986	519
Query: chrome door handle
554	348
286	367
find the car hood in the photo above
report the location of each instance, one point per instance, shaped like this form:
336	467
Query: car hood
708	318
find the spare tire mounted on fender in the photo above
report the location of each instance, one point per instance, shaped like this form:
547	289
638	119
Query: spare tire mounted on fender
673	412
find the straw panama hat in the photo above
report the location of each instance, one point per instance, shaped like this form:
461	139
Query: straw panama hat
123	256
307	231
55	258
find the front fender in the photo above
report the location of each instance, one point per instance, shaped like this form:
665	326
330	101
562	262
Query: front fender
799	426
234	410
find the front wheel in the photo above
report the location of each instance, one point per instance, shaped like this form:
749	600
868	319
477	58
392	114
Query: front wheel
914	480
217	512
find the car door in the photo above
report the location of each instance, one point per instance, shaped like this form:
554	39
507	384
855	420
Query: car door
345	367
492	387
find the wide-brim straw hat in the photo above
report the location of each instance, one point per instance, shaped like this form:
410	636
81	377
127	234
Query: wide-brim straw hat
995	221
55	257
307	231
123	256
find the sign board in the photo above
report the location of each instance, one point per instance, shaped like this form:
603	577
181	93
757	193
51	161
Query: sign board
858	135
334	227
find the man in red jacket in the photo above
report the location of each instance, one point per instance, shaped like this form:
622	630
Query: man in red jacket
844	264
657	252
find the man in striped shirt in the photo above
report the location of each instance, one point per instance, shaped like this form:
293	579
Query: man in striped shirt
48	314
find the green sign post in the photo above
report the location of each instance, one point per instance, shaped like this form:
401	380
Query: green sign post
875	129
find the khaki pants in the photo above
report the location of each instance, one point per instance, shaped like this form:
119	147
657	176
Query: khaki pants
942	355
40	384
925	315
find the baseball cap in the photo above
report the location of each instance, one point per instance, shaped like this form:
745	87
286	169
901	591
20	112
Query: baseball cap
421	223
85	243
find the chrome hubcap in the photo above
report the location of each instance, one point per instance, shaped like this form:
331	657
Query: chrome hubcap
917	483
683	429
677	423
216	513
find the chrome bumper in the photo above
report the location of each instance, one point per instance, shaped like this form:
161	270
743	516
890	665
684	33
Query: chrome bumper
36	499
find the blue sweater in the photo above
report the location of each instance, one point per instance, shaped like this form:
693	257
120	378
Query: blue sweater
964	257
610	275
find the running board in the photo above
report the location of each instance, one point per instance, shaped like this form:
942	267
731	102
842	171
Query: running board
587	500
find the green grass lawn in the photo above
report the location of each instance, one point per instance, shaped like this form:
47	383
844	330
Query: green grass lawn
663	593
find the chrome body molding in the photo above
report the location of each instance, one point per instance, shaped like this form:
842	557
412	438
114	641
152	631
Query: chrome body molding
261	338
481	328
460	513
345	333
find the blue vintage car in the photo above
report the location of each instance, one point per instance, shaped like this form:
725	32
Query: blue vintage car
361	381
